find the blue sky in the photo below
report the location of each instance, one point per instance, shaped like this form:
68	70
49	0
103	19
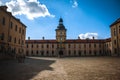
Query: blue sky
84	18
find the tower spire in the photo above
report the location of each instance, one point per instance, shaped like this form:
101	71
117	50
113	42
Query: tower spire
60	26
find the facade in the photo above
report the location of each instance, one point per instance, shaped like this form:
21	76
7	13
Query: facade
115	37
13	43
68	47
12	34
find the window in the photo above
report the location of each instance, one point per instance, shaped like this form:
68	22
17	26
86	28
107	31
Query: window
32	52
95	53
90	52
85	51
19	50
84	45
89	45
27	45
37	52
42	53
107	45
79	46
115	42
16	27
2	36
114	32
79	53
22	50
47	53
3	21
100	51
57	45
11	25
22	42
94	45
115	50
37	46
14	40
19	30
74	46
100	45
23	32
42	46
19	41
32	45
47	45
69	46
52	52
10	38
69	52
52	46
74	52
27	53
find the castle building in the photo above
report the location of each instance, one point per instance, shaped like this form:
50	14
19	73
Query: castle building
115	37
62	46
12	34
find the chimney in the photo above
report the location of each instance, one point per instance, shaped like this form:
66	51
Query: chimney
4	7
78	37
28	38
93	37
43	38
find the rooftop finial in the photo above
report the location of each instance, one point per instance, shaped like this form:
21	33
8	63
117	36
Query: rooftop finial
60	20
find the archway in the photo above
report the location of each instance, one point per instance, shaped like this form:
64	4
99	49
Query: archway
60	53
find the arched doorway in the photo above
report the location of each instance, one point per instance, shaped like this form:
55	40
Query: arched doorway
60	53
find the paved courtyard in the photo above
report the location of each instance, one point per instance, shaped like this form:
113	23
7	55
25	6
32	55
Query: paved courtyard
72	68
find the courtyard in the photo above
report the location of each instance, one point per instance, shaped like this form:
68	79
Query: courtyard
68	68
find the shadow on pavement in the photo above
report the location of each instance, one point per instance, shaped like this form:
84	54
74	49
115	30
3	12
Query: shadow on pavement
12	70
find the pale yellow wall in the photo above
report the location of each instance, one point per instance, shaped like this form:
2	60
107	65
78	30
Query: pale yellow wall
116	37
8	31
50	49
59	34
74	49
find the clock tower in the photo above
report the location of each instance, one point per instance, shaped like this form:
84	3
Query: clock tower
61	31
61	37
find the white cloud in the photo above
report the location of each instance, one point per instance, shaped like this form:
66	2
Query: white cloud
0	3
30	8
75	4
88	35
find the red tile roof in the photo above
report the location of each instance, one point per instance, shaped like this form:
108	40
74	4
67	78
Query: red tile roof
71	41
117	21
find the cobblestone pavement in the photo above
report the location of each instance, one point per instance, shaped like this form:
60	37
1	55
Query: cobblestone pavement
72	68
